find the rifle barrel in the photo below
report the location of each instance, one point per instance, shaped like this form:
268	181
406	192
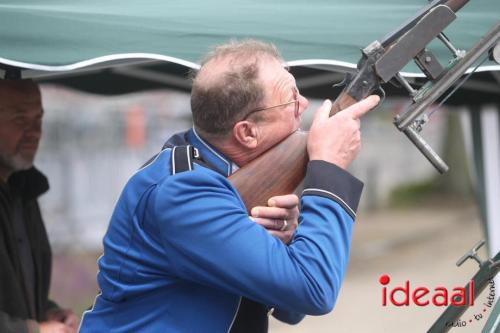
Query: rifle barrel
454	5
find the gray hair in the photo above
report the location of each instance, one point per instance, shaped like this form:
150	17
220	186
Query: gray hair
221	97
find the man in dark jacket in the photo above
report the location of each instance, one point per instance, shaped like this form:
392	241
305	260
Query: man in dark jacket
25	255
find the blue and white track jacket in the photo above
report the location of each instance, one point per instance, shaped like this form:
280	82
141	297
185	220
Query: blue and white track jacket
180	250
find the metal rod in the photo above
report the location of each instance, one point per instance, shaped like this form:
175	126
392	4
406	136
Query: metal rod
450	77
457	53
406	84
426	150
493	323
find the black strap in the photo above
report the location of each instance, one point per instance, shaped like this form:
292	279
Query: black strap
182	158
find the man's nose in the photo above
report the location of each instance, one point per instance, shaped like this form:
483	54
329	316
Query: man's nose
34	130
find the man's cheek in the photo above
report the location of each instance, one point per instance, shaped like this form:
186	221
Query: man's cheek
9	144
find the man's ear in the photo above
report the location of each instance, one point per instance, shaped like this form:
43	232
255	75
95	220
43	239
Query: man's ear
246	133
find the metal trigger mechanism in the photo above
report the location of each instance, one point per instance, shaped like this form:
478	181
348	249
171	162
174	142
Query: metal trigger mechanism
345	81
381	93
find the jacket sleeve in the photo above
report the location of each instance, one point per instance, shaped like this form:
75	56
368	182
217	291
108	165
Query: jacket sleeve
210	240
9	324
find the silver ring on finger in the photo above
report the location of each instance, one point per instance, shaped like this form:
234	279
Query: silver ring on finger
284	226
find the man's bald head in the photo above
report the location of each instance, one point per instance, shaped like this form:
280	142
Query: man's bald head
227	85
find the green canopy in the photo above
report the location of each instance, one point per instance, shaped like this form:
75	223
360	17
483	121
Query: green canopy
58	35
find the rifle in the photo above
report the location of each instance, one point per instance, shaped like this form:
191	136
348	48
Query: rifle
281	169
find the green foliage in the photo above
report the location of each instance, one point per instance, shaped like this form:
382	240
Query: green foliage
413	194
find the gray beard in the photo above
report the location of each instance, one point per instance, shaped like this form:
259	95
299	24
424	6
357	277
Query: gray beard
15	163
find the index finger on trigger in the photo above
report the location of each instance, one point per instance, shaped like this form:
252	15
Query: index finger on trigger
362	107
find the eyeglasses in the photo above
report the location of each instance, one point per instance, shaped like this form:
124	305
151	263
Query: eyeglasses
295	100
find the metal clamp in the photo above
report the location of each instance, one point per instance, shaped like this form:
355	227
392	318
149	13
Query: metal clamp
472	254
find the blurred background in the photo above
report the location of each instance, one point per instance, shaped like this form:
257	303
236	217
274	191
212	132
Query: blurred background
413	223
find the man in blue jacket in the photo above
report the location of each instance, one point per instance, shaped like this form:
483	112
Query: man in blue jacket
181	250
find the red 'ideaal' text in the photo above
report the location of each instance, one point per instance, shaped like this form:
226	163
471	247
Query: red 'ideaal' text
423	296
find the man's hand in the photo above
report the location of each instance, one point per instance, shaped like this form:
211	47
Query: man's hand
64	316
337	139
280	218
53	326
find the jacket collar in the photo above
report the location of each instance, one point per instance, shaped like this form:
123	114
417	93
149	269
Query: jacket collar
210	154
29	183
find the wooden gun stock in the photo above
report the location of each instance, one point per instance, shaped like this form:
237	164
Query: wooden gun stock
343	101
278	171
